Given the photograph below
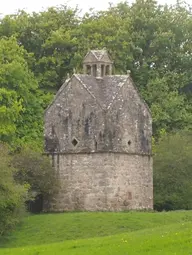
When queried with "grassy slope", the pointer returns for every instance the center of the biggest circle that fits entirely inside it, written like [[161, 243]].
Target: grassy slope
[[126, 233]]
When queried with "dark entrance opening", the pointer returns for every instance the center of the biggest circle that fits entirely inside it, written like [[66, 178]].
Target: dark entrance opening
[[88, 70], [94, 70], [36, 205], [102, 70], [107, 70]]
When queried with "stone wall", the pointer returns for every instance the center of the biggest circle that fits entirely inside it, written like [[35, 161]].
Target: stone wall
[[103, 182]]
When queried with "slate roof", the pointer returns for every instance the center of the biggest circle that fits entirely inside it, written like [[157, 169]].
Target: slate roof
[[104, 90]]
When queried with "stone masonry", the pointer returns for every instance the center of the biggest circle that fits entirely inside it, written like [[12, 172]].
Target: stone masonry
[[98, 133]]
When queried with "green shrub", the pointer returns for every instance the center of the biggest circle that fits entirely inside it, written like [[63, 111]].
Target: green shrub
[[173, 172], [12, 194], [36, 170]]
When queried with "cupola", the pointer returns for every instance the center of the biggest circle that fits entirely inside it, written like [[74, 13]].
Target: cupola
[[97, 63]]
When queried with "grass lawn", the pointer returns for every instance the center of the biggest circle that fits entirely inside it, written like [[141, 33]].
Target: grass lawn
[[102, 233]]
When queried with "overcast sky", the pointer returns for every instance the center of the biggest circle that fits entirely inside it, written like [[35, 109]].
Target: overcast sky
[[11, 6]]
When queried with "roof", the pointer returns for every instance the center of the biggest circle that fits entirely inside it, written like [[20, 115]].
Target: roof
[[104, 90], [98, 55]]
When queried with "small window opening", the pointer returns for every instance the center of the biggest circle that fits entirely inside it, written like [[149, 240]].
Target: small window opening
[[74, 142], [129, 142], [107, 70], [88, 69], [102, 70], [129, 195], [95, 145], [94, 70]]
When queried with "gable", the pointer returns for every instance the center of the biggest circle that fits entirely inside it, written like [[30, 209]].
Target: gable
[[62, 88], [97, 56], [90, 57], [71, 120], [105, 58], [131, 119], [135, 91]]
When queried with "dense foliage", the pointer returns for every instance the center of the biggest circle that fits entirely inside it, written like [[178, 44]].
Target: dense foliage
[[36, 170], [12, 194], [23, 176], [19, 107], [172, 172], [38, 50]]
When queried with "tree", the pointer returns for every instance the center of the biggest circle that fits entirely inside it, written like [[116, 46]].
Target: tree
[[20, 102], [48, 35], [12, 194], [172, 172], [36, 170]]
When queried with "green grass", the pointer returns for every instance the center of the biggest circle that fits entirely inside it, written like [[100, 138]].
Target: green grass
[[102, 233]]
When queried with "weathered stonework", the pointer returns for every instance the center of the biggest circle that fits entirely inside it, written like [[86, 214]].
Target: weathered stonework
[[98, 132], [104, 182]]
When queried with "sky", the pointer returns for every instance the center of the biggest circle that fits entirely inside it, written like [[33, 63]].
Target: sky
[[11, 6]]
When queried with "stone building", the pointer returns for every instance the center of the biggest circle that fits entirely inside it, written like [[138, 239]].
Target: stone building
[[98, 132]]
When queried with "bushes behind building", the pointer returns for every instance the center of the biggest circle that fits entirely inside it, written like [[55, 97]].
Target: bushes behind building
[[36, 170], [173, 172], [21, 176], [12, 194]]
